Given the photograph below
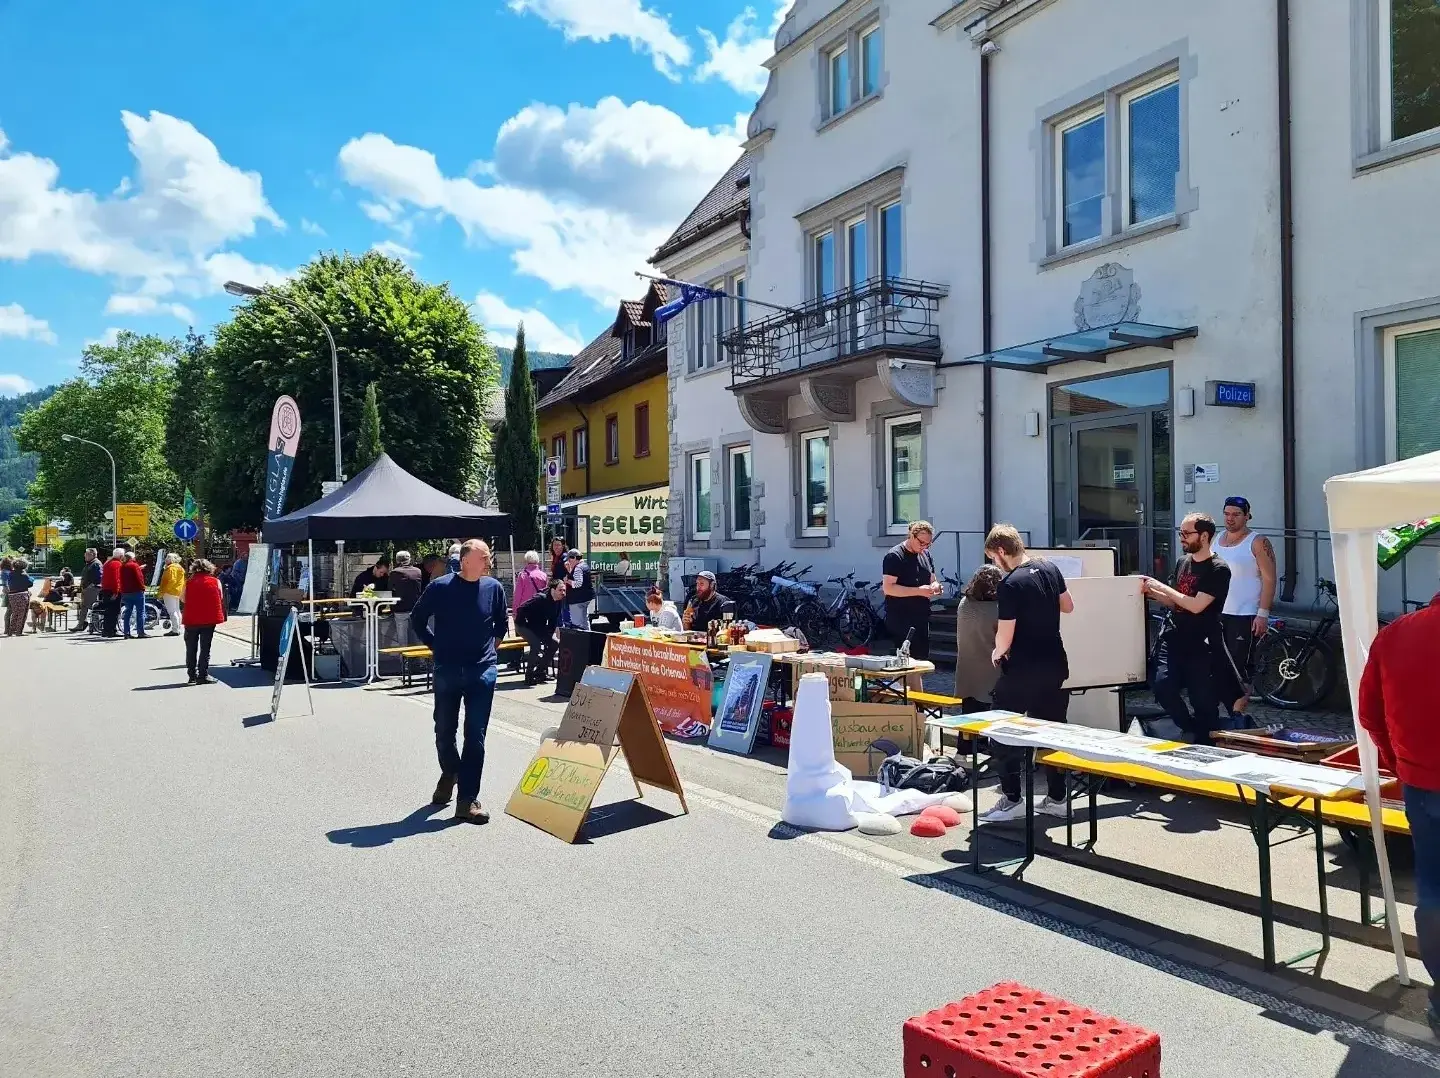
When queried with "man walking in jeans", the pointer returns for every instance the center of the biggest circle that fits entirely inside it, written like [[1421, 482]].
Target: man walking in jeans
[[1398, 695], [469, 618]]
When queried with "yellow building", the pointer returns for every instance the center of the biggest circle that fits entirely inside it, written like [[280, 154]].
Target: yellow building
[[608, 424]]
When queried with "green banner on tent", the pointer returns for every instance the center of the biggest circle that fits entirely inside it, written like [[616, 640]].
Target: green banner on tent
[[1396, 542]]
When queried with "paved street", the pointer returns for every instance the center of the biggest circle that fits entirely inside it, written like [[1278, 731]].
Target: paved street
[[186, 890]]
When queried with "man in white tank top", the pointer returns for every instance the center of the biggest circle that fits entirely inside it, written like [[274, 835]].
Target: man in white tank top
[[1245, 616]]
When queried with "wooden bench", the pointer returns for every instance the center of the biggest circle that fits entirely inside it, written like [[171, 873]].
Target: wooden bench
[[56, 617], [420, 653], [932, 706]]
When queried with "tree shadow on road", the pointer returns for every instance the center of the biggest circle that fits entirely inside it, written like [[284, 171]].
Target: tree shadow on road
[[419, 822]]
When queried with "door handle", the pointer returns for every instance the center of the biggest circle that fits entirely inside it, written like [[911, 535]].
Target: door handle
[[1140, 513]]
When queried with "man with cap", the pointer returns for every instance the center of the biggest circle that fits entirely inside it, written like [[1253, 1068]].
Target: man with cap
[[706, 605], [1246, 614], [579, 589]]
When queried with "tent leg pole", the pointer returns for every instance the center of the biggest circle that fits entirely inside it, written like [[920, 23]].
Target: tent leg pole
[[1370, 767]]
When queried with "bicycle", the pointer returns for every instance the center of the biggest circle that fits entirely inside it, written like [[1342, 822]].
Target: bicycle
[[1295, 669], [848, 619]]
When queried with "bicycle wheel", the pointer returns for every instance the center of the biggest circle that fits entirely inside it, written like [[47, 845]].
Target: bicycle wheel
[[857, 623], [815, 622], [1293, 670]]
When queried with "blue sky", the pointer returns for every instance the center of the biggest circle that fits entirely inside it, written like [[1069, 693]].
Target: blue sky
[[532, 153]]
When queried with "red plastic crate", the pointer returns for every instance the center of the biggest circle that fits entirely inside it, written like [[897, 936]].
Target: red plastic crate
[[1010, 1031]]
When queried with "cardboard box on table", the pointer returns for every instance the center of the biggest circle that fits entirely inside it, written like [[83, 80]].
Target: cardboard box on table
[[608, 714]]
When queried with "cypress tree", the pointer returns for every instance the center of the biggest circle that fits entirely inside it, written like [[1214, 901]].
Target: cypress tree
[[369, 446], [517, 450]]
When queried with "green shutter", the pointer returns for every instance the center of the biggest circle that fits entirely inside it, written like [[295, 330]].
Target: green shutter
[[1417, 394]]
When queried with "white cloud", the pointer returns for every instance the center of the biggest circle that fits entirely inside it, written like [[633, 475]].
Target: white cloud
[[541, 333], [155, 231], [12, 385], [139, 304], [392, 249], [582, 195], [310, 228], [602, 20], [108, 339], [15, 322], [739, 60], [229, 266]]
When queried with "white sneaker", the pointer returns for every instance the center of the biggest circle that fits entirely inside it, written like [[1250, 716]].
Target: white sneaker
[[1004, 811], [1051, 807]]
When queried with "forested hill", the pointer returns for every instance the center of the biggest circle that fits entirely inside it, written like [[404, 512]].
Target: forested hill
[[16, 468], [538, 361]]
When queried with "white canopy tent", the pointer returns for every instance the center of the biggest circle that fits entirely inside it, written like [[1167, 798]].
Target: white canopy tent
[[1361, 505]]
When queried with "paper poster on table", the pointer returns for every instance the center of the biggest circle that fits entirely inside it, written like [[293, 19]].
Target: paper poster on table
[[677, 681], [739, 719]]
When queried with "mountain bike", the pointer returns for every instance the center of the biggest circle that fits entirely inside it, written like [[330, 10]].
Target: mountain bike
[[847, 619], [1293, 668]]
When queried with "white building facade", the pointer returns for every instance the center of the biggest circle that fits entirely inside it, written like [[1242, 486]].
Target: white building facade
[[1042, 263]]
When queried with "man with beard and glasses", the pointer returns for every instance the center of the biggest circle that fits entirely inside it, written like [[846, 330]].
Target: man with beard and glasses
[[1187, 653]]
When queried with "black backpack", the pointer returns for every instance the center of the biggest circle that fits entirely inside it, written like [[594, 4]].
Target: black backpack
[[941, 774]]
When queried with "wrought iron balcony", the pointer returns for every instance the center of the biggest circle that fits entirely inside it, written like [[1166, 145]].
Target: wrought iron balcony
[[878, 317]]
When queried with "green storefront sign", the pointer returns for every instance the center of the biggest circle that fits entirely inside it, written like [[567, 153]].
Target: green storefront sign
[[627, 532]]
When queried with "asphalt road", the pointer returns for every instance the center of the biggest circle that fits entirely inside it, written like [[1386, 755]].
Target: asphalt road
[[188, 891]]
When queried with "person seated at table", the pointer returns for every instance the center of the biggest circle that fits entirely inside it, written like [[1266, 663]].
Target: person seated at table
[[536, 621], [975, 622], [63, 587], [662, 612], [377, 576], [706, 605], [406, 582]]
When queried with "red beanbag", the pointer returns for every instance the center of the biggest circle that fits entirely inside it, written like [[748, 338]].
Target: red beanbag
[[946, 815], [927, 827]]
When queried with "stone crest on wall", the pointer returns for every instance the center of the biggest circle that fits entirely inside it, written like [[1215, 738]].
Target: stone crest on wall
[[1107, 296]]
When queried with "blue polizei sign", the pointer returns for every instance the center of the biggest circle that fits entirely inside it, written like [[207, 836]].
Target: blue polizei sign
[[1230, 394], [186, 530]]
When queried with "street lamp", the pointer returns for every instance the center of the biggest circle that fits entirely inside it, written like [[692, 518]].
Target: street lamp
[[235, 288], [114, 497]]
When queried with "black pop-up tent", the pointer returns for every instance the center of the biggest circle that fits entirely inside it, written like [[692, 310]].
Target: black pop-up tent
[[386, 502]]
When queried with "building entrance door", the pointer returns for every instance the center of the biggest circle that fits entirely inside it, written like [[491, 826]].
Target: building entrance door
[[1111, 473]]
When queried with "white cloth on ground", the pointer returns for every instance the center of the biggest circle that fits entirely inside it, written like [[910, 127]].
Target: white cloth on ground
[[819, 793]]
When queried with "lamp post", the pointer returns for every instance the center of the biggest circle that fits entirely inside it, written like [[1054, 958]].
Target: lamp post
[[114, 496], [235, 288]]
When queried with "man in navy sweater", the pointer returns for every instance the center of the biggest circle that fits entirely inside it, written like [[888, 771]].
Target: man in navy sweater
[[470, 616]]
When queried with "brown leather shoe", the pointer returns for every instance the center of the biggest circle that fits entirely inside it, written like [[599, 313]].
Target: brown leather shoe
[[444, 789], [471, 813]]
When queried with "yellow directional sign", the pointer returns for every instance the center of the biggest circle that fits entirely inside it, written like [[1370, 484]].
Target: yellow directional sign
[[47, 537], [132, 520]]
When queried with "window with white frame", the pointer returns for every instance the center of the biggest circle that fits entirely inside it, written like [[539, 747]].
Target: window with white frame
[[612, 439], [854, 68], [857, 251], [737, 489], [557, 449], [815, 484], [1408, 69], [699, 471], [1138, 127], [904, 472], [891, 245], [822, 253], [582, 446], [1412, 390], [737, 289], [712, 319]]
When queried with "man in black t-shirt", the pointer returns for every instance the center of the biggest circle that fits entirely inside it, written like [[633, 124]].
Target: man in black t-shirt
[[1032, 660], [908, 580], [1188, 644]]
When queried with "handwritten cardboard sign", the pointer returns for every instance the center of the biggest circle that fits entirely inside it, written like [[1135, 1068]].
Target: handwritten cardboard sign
[[608, 714], [857, 726], [840, 677]]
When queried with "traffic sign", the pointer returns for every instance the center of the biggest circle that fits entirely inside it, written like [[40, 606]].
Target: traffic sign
[[552, 485], [134, 519], [186, 530], [47, 536]]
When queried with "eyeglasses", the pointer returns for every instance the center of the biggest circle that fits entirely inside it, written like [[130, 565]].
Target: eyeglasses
[[1188, 534]]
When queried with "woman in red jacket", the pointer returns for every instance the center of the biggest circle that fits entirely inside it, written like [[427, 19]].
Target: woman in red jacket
[[204, 609]]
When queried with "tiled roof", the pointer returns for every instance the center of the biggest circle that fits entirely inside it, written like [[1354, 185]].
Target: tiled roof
[[725, 202], [634, 310], [602, 359]]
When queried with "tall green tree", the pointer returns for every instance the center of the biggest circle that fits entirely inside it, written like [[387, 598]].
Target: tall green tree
[[517, 450], [189, 421], [389, 326], [371, 445], [120, 400], [20, 529]]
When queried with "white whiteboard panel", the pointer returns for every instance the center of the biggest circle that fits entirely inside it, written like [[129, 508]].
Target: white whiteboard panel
[[1094, 561], [1105, 637], [1098, 709]]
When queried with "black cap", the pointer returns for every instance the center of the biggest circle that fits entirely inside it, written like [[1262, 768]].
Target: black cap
[[1242, 504]]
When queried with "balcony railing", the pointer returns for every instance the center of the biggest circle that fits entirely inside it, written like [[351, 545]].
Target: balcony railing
[[879, 315]]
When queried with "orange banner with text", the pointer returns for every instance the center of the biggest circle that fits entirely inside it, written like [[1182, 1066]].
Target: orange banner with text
[[677, 680]]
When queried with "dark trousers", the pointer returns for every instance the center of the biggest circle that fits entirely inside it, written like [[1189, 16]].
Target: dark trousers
[[1422, 809], [110, 612], [132, 605], [474, 686], [540, 654], [1037, 693], [1189, 670], [197, 649], [1237, 637]]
